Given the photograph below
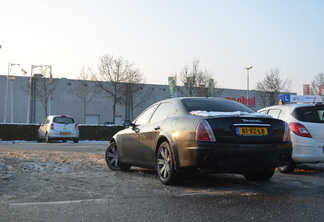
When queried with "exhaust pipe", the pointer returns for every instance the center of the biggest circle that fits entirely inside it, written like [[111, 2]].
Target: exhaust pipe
[[211, 158], [284, 157]]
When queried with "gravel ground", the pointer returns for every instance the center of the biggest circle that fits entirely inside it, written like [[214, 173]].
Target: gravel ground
[[18, 167], [22, 171], [33, 183]]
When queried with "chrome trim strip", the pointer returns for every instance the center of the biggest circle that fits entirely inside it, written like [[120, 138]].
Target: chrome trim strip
[[251, 124]]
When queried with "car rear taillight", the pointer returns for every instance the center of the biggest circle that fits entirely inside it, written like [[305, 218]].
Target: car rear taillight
[[204, 132], [299, 130], [287, 133], [76, 126], [52, 126]]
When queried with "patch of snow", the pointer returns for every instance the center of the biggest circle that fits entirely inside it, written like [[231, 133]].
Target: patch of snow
[[80, 141], [222, 114], [107, 125], [22, 124], [91, 141], [16, 141], [80, 124]]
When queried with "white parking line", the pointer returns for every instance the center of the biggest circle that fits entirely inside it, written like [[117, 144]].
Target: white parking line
[[57, 202]]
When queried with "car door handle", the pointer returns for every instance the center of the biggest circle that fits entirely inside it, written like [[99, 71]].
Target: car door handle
[[157, 128]]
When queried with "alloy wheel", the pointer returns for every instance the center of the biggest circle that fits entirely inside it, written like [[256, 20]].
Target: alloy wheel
[[164, 163], [112, 156]]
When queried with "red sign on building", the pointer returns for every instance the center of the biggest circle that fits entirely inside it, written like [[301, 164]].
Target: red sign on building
[[319, 90], [306, 89], [243, 100]]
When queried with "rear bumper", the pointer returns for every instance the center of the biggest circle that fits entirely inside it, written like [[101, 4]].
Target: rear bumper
[[307, 150], [308, 153], [236, 158], [66, 135], [64, 138]]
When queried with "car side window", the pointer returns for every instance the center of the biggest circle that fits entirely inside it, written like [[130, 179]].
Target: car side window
[[274, 113], [282, 115], [162, 112], [321, 114], [145, 116]]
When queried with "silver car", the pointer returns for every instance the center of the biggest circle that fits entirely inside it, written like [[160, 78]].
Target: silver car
[[58, 127], [306, 122]]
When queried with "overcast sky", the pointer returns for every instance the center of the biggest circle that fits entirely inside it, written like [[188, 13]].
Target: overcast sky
[[161, 36]]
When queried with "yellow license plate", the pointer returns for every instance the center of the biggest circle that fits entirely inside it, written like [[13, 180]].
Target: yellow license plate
[[252, 131], [65, 134]]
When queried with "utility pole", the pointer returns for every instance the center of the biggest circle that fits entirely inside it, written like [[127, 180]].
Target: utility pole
[[247, 85]]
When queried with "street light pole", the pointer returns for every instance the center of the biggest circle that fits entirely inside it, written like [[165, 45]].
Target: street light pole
[[11, 78], [6, 98], [30, 91], [247, 84], [6, 102], [50, 89]]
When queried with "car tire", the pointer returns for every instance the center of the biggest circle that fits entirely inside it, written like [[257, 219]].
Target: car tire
[[76, 140], [165, 166], [259, 175], [47, 138], [112, 158], [289, 168]]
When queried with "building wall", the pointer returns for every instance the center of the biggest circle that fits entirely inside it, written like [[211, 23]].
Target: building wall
[[63, 102], [19, 97]]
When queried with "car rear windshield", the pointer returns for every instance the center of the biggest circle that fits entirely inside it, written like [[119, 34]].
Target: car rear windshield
[[215, 105], [313, 114], [63, 120]]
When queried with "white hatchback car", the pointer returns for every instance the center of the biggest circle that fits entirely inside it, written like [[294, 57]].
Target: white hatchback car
[[58, 127], [306, 122]]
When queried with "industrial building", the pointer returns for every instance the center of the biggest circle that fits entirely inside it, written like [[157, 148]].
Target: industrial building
[[20, 104]]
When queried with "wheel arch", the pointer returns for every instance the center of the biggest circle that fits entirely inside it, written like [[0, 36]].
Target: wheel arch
[[162, 139], [112, 140]]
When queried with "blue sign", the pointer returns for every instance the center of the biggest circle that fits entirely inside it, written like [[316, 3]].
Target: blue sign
[[285, 98]]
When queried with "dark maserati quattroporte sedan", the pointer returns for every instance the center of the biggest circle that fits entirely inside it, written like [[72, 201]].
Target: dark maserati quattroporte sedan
[[183, 135]]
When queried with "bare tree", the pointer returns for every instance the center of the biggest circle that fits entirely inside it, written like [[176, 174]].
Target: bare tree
[[264, 97], [43, 86], [271, 86], [85, 89], [202, 83], [112, 73], [195, 80], [318, 81], [132, 98], [188, 76]]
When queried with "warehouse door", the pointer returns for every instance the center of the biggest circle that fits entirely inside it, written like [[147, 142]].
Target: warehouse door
[[92, 119]]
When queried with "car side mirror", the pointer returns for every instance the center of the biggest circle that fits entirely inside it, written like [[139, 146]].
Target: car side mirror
[[127, 123]]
